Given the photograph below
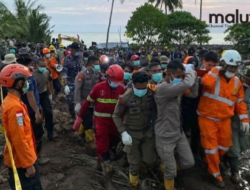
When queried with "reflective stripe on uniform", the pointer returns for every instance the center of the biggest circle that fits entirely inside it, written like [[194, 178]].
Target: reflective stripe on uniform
[[213, 74], [243, 116], [239, 100], [223, 148], [90, 99], [102, 114], [107, 101], [216, 174], [216, 94], [213, 151], [214, 119]]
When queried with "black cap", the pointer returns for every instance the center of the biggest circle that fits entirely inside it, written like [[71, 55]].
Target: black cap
[[191, 51], [24, 56], [74, 45]]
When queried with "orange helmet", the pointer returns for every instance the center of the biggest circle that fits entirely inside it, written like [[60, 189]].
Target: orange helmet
[[12, 72], [115, 73], [46, 50], [104, 59]]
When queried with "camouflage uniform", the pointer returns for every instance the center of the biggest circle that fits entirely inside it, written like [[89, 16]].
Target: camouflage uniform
[[71, 67]]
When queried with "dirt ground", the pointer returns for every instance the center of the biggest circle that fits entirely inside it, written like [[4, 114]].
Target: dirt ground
[[72, 166]]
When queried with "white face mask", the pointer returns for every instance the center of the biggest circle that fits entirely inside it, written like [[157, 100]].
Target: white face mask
[[229, 74]]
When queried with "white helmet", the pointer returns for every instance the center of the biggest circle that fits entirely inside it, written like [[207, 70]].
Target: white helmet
[[59, 68], [231, 57]]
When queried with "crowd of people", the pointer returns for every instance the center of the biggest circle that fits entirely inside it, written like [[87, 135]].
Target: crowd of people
[[151, 100]]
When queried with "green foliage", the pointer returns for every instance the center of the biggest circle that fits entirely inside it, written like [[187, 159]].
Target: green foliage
[[239, 35], [182, 27], [170, 4], [144, 25], [27, 24]]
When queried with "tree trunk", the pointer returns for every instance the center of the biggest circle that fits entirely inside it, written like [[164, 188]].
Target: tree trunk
[[166, 9], [110, 19], [200, 9]]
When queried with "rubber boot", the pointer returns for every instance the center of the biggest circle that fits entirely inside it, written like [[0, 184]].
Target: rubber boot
[[90, 139], [218, 182], [234, 165], [169, 184], [99, 165], [134, 181], [108, 172]]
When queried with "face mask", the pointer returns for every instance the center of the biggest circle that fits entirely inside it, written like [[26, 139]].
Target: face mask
[[114, 84], [25, 90], [143, 56], [157, 77], [163, 66], [33, 53], [96, 68], [175, 80], [42, 69], [127, 76], [4, 47], [61, 49], [47, 55], [140, 93], [229, 74], [136, 63], [77, 54], [85, 59], [12, 51]]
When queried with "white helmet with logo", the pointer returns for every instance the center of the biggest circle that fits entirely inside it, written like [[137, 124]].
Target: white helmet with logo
[[231, 57]]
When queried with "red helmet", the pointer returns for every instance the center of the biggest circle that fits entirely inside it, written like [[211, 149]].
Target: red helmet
[[12, 72], [135, 57], [115, 73], [46, 50]]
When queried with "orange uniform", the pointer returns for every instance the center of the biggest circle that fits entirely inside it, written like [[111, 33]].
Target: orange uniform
[[221, 100], [52, 63], [17, 125]]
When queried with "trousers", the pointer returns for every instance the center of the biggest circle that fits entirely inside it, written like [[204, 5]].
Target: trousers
[[48, 114], [70, 99], [106, 136], [167, 147], [142, 150], [57, 85], [33, 183], [88, 119], [216, 139], [38, 132]]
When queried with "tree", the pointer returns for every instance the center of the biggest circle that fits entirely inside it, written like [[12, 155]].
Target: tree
[[239, 35], [168, 4], [182, 27], [144, 25], [110, 19]]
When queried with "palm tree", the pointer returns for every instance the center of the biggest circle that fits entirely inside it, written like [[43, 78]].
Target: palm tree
[[110, 19], [170, 5]]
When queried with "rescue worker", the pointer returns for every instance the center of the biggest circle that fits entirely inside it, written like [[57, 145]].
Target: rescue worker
[[128, 69], [170, 138], [71, 67], [155, 73], [164, 61], [105, 95], [223, 94], [18, 128], [241, 140], [135, 59], [84, 83], [51, 64], [136, 129], [60, 53]]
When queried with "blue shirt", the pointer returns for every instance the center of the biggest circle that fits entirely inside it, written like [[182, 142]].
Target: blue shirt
[[32, 87]]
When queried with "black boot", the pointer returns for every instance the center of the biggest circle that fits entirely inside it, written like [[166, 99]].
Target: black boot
[[234, 165]]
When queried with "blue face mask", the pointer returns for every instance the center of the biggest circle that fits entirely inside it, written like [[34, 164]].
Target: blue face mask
[[175, 80], [127, 76], [42, 69], [12, 51], [96, 68], [77, 54], [25, 90], [137, 63], [157, 77], [85, 59], [140, 93], [163, 66], [143, 56], [47, 55], [114, 84]]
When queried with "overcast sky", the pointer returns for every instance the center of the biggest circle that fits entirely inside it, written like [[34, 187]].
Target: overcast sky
[[93, 15]]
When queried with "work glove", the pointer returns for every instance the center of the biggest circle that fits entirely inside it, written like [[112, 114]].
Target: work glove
[[50, 97], [77, 124], [126, 138], [66, 90], [245, 128], [77, 108], [189, 67]]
